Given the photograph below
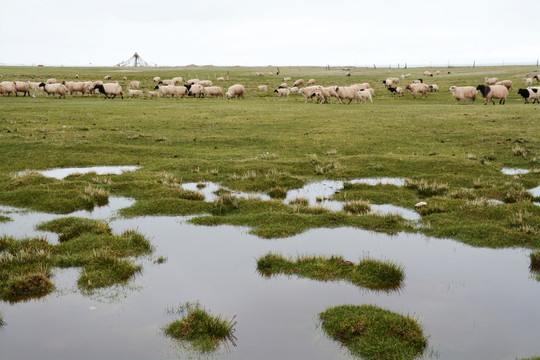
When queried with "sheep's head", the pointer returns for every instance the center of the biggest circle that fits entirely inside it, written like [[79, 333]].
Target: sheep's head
[[42, 84], [524, 93], [156, 87], [452, 88]]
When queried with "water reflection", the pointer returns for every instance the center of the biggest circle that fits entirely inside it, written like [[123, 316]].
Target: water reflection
[[61, 173]]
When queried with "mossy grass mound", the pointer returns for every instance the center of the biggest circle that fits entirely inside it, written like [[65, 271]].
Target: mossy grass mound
[[203, 331], [368, 273], [25, 266], [373, 333], [535, 262]]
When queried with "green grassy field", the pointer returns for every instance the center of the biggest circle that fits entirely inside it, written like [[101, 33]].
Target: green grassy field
[[264, 143]]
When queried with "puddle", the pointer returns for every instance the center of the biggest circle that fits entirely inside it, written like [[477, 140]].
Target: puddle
[[61, 173], [509, 171], [535, 192], [210, 188], [469, 305]]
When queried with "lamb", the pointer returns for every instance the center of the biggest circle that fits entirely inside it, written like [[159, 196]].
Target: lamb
[[348, 93], [236, 90], [196, 90], [405, 76], [22, 87], [433, 88], [293, 90], [506, 83], [34, 85], [282, 92], [365, 95], [308, 91], [427, 73], [134, 93], [311, 82], [298, 82], [417, 89], [54, 89], [463, 93], [8, 87], [205, 83], [283, 86], [221, 78], [50, 81], [396, 90], [328, 93], [437, 72], [530, 93], [134, 84], [527, 81], [318, 96], [493, 92], [491, 81], [152, 94], [177, 80], [124, 78], [78, 86], [390, 81], [213, 91], [287, 79], [262, 88], [157, 79], [109, 89]]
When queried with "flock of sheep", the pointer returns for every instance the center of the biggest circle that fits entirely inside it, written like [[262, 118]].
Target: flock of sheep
[[363, 92]]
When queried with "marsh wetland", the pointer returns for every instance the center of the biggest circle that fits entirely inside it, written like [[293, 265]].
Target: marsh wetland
[[140, 206]]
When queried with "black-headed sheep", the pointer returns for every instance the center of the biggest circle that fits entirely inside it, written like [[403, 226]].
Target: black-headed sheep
[[54, 89], [282, 92], [111, 90], [493, 92], [530, 93]]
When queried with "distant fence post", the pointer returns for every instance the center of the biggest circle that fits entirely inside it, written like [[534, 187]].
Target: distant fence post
[[474, 64], [374, 66]]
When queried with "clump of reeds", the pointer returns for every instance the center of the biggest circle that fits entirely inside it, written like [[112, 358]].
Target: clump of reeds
[[423, 187], [357, 206]]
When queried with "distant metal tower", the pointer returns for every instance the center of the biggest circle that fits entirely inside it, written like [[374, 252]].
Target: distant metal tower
[[135, 61]]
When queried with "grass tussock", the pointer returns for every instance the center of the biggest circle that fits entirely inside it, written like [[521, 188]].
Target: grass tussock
[[368, 273], [203, 331], [423, 187], [373, 333], [277, 193], [535, 261], [517, 194], [95, 195], [105, 259], [225, 204], [357, 207]]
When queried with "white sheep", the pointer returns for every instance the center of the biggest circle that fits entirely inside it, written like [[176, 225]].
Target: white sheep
[[282, 92], [491, 81], [152, 94], [437, 72], [493, 92], [365, 95], [7, 87], [527, 81], [107, 77], [134, 84], [51, 81], [361, 86], [34, 86], [427, 73], [156, 79], [318, 96], [109, 89], [311, 82], [213, 91], [221, 78], [76, 76], [506, 83], [193, 81], [134, 93], [171, 90], [262, 88], [433, 88], [124, 78], [463, 93], [177, 80], [294, 90], [236, 90], [308, 91], [54, 89], [205, 83], [298, 82], [347, 93], [76, 86], [396, 90], [417, 89], [23, 87], [196, 90], [537, 78], [390, 81], [166, 82], [283, 86], [287, 78], [405, 76]]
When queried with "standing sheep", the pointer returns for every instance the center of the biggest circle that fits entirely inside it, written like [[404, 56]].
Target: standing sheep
[[110, 89], [262, 88], [51, 81], [347, 93], [491, 81], [177, 80], [506, 83], [54, 89], [133, 84], [213, 91], [427, 73], [293, 90], [298, 82], [433, 88], [308, 91], [282, 92], [107, 77], [78, 86], [157, 79], [196, 90], [311, 82], [236, 90], [134, 93], [152, 94], [7, 87], [527, 81], [493, 92], [287, 78], [22, 87], [365, 95], [417, 89], [396, 90], [283, 86], [530, 93], [125, 78], [537, 78], [206, 83], [463, 93], [221, 78]]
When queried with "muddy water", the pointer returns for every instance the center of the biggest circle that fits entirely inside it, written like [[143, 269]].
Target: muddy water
[[473, 303]]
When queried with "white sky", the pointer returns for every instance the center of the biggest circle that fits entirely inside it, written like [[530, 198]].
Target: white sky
[[279, 32]]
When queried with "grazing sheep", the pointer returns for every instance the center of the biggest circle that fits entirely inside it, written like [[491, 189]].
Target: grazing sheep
[[396, 90], [298, 82], [417, 89], [110, 89], [259, 74], [157, 79], [22, 87], [405, 76], [78, 86], [271, 74], [107, 77], [192, 81], [437, 72], [527, 81], [491, 81], [308, 91], [293, 90], [390, 81], [54, 89], [213, 91], [348, 93], [177, 80], [287, 79], [311, 82], [196, 90], [318, 96], [166, 90], [361, 86], [236, 90], [283, 86], [8, 87], [493, 92], [76, 76], [463, 93], [282, 92], [262, 88], [205, 83], [530, 93], [506, 83], [51, 81], [134, 93], [537, 78], [124, 78], [166, 82], [152, 94], [365, 95], [418, 81], [134, 84], [221, 78], [433, 88], [329, 93], [427, 73]]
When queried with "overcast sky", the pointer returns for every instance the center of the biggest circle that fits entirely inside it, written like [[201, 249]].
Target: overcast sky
[[279, 32]]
